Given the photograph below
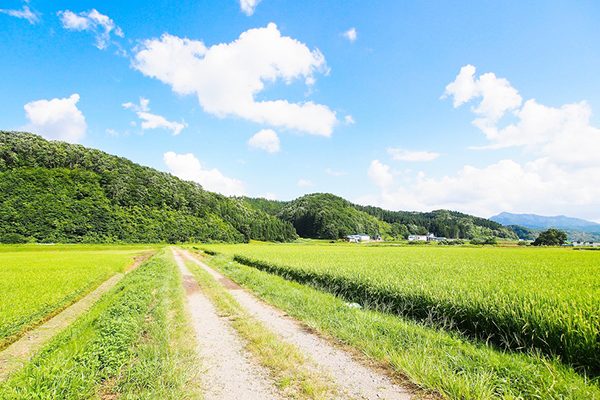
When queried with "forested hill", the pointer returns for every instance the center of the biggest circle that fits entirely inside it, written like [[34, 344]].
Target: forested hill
[[52, 191], [328, 216], [450, 224]]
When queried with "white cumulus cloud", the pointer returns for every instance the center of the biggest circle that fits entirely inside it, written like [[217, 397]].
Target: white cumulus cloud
[[350, 34], [101, 25], [266, 139], [248, 6], [153, 121], [535, 187], [25, 13], [560, 174], [187, 167], [227, 77], [563, 135], [380, 174], [56, 119], [497, 96], [411, 155]]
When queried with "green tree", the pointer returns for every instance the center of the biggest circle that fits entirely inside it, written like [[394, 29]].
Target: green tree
[[551, 237]]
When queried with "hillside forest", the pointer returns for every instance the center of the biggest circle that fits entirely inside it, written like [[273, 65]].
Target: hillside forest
[[53, 191]]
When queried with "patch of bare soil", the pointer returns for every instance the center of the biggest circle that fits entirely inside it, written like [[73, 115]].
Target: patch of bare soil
[[139, 260], [229, 375], [356, 379]]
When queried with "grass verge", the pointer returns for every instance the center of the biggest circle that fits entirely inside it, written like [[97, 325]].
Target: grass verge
[[440, 361], [134, 343], [292, 372]]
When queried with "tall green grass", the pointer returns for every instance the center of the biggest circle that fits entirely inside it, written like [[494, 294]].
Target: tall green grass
[[546, 300], [36, 282]]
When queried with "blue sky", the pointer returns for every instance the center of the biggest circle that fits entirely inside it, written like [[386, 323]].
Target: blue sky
[[479, 107]]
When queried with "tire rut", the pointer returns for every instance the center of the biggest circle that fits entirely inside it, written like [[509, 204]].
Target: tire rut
[[357, 380], [229, 374]]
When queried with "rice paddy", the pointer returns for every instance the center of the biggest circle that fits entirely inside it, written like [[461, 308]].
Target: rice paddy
[[38, 281], [455, 322], [544, 300], [439, 362], [133, 343]]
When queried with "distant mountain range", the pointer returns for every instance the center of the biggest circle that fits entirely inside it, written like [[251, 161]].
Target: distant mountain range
[[539, 221], [576, 228]]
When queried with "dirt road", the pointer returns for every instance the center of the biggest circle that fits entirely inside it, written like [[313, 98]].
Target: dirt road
[[356, 380], [229, 372]]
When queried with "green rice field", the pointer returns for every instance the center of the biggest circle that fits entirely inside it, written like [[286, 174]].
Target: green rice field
[[135, 342], [38, 281], [520, 299]]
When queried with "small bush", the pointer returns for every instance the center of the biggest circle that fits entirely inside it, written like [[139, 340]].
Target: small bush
[[13, 238]]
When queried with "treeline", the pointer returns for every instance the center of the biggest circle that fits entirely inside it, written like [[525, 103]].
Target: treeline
[[53, 191], [327, 216], [444, 223]]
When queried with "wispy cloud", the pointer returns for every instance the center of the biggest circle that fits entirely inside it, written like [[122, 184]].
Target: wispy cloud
[[350, 34], [335, 173], [153, 121], [27, 13], [248, 6], [305, 182], [101, 25], [411, 155]]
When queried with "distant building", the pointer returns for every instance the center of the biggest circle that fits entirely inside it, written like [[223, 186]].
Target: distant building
[[358, 238], [430, 237], [351, 238], [576, 243], [422, 238]]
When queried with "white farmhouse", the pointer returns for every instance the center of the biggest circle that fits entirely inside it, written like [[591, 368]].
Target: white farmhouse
[[358, 238]]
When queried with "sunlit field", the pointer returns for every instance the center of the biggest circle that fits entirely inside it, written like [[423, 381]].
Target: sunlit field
[[38, 281], [521, 299]]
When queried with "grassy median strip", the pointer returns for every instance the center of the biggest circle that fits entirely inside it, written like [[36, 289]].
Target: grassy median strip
[[291, 370], [437, 360], [131, 344]]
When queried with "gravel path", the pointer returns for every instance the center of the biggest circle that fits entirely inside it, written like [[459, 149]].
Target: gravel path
[[357, 380], [229, 374]]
